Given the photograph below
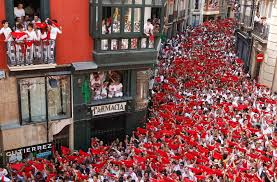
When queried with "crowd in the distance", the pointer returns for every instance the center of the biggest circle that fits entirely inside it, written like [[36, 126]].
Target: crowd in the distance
[[209, 121], [30, 37]]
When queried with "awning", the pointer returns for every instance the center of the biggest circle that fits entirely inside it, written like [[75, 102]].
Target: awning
[[82, 66]]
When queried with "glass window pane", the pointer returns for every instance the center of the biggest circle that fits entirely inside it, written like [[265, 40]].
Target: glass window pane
[[106, 20], [58, 97], [137, 19], [138, 1], [148, 1], [124, 43], [127, 20], [33, 105], [128, 1], [116, 20], [114, 44], [106, 84], [134, 43], [151, 43], [104, 44], [143, 43], [158, 2]]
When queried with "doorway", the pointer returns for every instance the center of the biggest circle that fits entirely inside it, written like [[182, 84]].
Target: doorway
[[108, 129], [61, 139], [31, 7]]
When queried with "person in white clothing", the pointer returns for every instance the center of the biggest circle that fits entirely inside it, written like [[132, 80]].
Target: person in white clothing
[[32, 36], [19, 11], [148, 28], [6, 30], [54, 31]]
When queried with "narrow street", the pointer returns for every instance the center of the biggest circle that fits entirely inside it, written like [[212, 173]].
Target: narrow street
[[209, 121]]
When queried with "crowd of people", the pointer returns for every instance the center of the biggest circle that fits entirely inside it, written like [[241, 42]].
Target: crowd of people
[[30, 38], [209, 121]]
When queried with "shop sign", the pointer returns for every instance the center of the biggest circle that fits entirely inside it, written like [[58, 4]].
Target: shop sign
[[25, 150], [2, 74], [260, 57], [108, 108], [44, 154]]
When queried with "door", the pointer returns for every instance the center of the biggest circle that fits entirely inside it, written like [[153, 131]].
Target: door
[[108, 129]]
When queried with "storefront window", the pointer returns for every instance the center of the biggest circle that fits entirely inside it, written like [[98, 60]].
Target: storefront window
[[33, 98], [127, 18], [137, 19], [58, 90], [116, 20], [33, 101], [142, 89], [106, 84]]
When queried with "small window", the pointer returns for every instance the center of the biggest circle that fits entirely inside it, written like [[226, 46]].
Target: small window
[[114, 44], [116, 20], [138, 1], [143, 43], [106, 84], [137, 19], [104, 44], [106, 20], [124, 44], [148, 2], [127, 20], [134, 43]]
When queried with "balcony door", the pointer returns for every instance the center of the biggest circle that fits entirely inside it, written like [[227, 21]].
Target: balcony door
[[40, 7]]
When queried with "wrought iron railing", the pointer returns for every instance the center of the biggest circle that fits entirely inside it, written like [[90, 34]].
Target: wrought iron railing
[[23, 53], [261, 30]]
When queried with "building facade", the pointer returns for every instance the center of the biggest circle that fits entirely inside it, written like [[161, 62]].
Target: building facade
[[256, 40], [94, 84], [175, 17]]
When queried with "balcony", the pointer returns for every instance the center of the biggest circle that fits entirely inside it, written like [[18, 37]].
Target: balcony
[[31, 55], [261, 31]]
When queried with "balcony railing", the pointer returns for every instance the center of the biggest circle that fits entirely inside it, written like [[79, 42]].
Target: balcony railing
[[261, 30], [25, 53]]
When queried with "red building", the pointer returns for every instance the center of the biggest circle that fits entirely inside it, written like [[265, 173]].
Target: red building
[[85, 84]]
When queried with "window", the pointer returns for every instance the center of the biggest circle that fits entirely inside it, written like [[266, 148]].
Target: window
[[58, 90], [137, 19], [106, 84], [127, 22], [123, 21], [116, 20], [33, 98]]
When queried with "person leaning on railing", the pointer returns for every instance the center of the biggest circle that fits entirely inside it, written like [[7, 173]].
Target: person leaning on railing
[[6, 30]]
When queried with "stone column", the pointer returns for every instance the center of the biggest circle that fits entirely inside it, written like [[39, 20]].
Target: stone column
[[268, 75]]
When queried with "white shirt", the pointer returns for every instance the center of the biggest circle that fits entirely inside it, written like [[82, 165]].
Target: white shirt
[[54, 32], [6, 32], [19, 12], [148, 28], [32, 35]]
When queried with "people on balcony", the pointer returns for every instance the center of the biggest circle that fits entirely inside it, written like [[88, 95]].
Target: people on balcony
[[19, 10], [31, 40]]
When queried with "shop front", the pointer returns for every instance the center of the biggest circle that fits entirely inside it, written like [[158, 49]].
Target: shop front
[[108, 104], [244, 44], [28, 153]]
